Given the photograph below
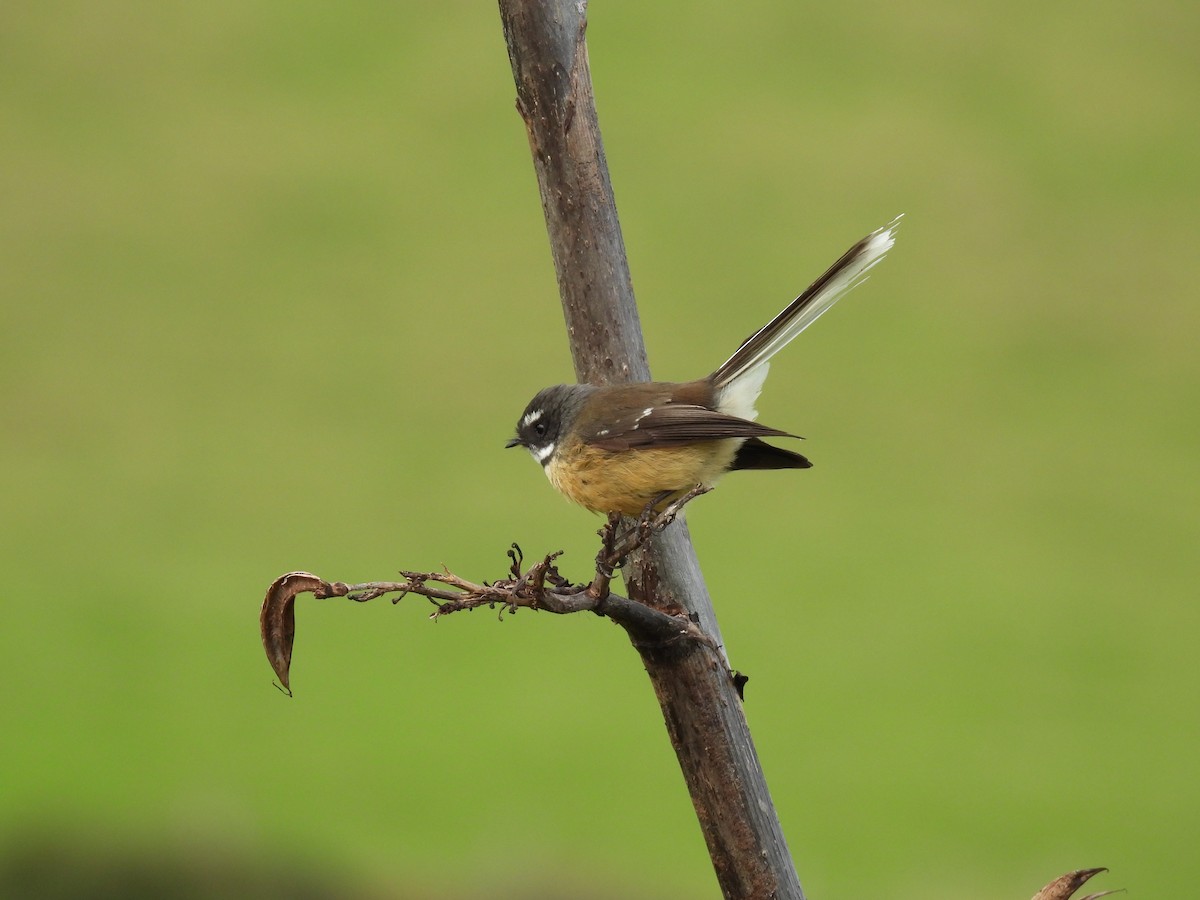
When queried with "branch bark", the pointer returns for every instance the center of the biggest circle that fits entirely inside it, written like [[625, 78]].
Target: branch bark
[[695, 688]]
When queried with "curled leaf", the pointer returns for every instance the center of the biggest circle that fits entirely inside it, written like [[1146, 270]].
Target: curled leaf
[[277, 620], [1064, 886]]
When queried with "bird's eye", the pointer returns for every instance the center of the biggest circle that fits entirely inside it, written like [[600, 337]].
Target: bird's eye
[[540, 428]]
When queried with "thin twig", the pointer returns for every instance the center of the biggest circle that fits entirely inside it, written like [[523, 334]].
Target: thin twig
[[543, 587]]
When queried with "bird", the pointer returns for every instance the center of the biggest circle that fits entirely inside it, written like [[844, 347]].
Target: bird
[[633, 448]]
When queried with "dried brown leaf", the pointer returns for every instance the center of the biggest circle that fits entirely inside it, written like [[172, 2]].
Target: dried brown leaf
[[277, 620], [1064, 886]]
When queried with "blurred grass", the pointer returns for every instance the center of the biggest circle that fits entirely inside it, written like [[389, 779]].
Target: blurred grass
[[274, 286]]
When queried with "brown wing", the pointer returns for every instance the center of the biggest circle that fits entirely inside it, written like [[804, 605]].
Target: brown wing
[[672, 424]]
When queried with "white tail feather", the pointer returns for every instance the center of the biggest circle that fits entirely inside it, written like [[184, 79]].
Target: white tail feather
[[737, 398], [740, 378]]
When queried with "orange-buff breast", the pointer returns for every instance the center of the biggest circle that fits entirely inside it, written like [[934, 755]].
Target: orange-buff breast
[[626, 481]]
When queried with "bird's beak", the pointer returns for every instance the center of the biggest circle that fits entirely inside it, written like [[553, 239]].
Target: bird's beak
[[512, 442]]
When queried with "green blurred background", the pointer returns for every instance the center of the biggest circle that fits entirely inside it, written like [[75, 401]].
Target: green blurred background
[[275, 286]]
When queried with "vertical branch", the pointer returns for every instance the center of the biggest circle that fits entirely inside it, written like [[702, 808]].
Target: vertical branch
[[554, 97], [699, 699], [549, 58]]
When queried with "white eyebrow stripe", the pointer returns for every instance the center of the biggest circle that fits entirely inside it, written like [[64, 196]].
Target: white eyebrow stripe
[[542, 454], [530, 418]]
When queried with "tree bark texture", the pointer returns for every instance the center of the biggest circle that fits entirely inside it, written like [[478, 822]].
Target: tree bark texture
[[695, 689]]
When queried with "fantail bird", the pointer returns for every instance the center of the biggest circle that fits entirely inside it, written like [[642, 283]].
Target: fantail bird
[[622, 447]]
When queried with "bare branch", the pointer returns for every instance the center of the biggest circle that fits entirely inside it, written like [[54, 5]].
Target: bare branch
[[540, 587], [701, 704]]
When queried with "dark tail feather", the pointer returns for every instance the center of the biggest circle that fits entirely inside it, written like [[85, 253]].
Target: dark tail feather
[[842, 276], [756, 454]]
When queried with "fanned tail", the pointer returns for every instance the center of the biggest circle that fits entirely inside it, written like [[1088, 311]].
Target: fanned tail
[[752, 356]]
